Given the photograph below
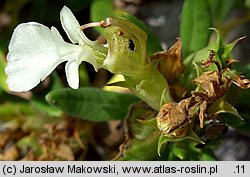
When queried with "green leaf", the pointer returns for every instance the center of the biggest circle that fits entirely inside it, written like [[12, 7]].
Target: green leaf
[[229, 47], [10, 111], [190, 136], [142, 150], [247, 3], [186, 150], [220, 10], [222, 106], [29, 143], [141, 111], [193, 69], [141, 143], [180, 152], [223, 50], [195, 24], [3, 76], [231, 115], [246, 126], [43, 106], [91, 103]]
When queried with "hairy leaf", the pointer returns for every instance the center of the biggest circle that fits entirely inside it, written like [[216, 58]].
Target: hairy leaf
[[91, 104]]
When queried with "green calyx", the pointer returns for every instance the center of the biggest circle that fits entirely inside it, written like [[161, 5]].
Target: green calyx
[[127, 52]]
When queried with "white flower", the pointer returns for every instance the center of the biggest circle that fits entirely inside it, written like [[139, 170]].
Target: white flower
[[35, 51]]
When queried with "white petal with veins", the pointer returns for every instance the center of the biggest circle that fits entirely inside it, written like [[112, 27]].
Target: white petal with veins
[[34, 52]]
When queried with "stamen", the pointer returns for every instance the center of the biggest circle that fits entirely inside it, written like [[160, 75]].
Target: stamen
[[89, 25], [103, 24]]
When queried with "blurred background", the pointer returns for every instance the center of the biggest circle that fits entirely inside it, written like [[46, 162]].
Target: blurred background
[[32, 130]]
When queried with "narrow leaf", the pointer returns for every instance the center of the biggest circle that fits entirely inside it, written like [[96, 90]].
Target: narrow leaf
[[227, 111], [222, 106], [196, 20], [91, 103], [3, 76]]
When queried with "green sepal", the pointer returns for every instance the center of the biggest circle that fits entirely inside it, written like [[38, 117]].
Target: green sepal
[[229, 47], [121, 35], [151, 87], [223, 50]]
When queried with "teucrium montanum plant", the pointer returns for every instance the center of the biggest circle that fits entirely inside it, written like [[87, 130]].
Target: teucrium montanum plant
[[35, 51]]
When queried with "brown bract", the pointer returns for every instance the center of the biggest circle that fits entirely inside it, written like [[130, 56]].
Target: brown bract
[[212, 84], [241, 82], [174, 118], [170, 63]]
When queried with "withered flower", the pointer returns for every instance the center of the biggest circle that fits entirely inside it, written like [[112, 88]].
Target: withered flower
[[170, 63], [172, 120]]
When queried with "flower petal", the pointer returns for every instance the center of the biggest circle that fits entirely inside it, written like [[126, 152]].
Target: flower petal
[[71, 69], [72, 27], [34, 52]]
